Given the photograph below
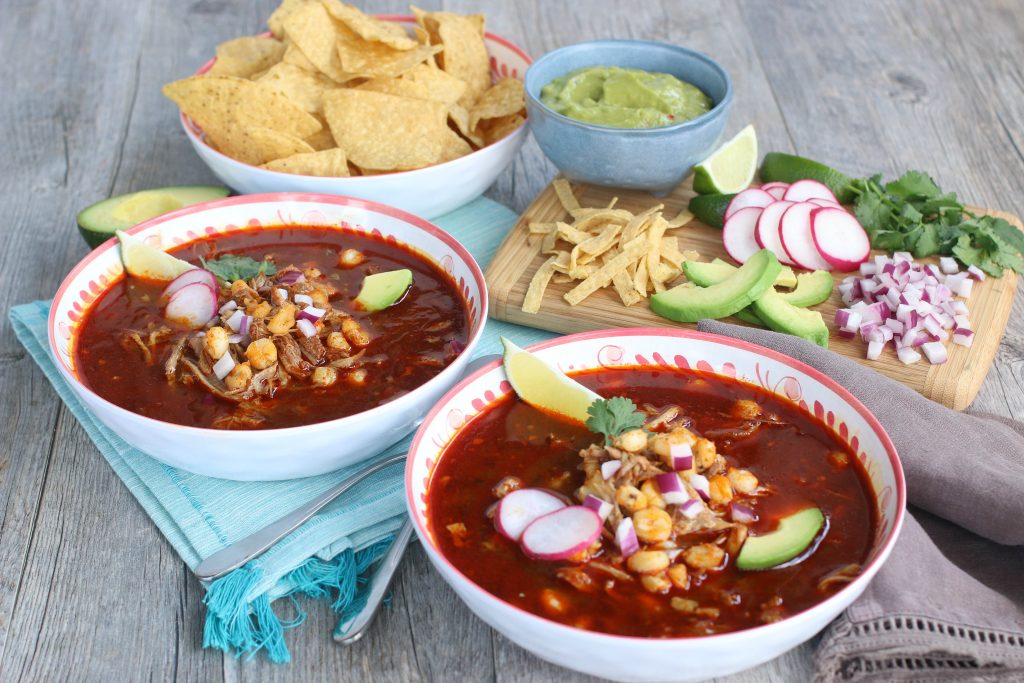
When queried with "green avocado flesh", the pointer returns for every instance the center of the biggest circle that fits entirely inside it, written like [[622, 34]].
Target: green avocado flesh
[[707, 273], [793, 536], [782, 316], [688, 303], [97, 223], [381, 290], [811, 289]]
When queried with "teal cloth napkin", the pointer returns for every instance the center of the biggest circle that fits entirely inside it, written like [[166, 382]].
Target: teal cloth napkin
[[200, 515]]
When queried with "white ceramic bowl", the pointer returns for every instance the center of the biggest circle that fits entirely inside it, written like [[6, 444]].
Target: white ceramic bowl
[[272, 453], [671, 659], [428, 192]]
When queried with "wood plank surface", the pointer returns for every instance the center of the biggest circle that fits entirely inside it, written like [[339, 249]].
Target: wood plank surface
[[89, 591], [953, 383]]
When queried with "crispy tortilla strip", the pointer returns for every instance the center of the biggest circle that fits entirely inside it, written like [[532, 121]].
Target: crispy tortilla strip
[[664, 273], [638, 223], [571, 234], [535, 292], [598, 244], [565, 195], [624, 288], [538, 228], [562, 278], [681, 219], [548, 245], [640, 278], [632, 251], [620, 215]]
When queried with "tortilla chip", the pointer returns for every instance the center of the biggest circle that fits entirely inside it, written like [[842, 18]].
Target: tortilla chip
[[384, 132], [454, 147], [504, 98], [631, 251], [370, 28], [328, 163], [459, 115], [270, 144], [396, 86], [500, 128], [246, 56], [370, 58], [225, 108], [276, 21], [294, 56], [565, 195], [322, 139], [304, 88], [314, 32], [465, 54], [539, 283], [443, 87]]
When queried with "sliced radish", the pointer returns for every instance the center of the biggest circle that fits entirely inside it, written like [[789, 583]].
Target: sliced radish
[[521, 507], [193, 305], [840, 238], [776, 189], [803, 190], [749, 197], [561, 534], [767, 232], [187, 278], [825, 202], [738, 233], [796, 238]]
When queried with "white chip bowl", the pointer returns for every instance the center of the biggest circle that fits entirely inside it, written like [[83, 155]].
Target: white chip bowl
[[663, 659], [268, 454], [428, 192]]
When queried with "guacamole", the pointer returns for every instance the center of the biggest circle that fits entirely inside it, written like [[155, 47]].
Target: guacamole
[[624, 98]]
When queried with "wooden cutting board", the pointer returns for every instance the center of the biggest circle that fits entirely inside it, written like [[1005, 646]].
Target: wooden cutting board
[[954, 383]]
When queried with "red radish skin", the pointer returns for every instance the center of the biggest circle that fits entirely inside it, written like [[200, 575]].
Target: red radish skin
[[187, 278], [561, 534], [738, 234], [796, 238], [518, 509], [839, 238], [192, 306], [825, 202], [749, 197], [776, 189], [804, 190], [767, 232]]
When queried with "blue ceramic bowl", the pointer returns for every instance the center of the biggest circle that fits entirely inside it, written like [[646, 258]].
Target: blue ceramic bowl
[[654, 159]]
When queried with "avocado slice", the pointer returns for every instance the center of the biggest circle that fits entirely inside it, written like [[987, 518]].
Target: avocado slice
[[811, 289], [782, 316], [793, 536], [688, 303], [748, 316], [381, 290], [707, 273], [97, 223]]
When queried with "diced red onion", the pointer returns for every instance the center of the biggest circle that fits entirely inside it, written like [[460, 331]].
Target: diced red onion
[[935, 352], [963, 336], [307, 328], [690, 508], [741, 513], [305, 299], [609, 468], [875, 349], [291, 277], [671, 488], [976, 273], [902, 256], [223, 366], [908, 355], [895, 325], [868, 268], [311, 313], [282, 293], [235, 339], [243, 326], [235, 320], [602, 507], [948, 265], [625, 537], [965, 288], [701, 484], [961, 321], [228, 306]]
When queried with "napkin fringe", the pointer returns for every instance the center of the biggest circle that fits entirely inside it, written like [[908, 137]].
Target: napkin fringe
[[236, 623]]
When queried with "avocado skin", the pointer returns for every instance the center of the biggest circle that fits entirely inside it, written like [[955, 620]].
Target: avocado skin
[[687, 303], [794, 535]]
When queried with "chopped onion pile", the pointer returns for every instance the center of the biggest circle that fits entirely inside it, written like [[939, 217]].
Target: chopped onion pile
[[911, 305]]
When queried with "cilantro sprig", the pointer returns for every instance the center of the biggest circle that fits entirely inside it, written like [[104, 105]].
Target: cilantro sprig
[[613, 416], [913, 214], [231, 267]]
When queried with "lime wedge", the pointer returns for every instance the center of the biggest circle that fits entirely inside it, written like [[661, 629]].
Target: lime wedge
[[789, 168], [544, 386], [142, 260], [730, 168]]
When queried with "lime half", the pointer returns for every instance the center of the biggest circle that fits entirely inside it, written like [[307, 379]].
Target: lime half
[[730, 168], [544, 386]]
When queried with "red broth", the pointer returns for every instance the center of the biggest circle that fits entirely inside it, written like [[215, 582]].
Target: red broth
[[401, 335], [800, 459]]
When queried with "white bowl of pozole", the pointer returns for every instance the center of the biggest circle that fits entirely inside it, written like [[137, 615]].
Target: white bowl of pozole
[[279, 372], [737, 442]]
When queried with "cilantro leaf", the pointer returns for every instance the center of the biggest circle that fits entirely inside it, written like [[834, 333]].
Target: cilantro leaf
[[613, 416], [914, 184], [231, 267]]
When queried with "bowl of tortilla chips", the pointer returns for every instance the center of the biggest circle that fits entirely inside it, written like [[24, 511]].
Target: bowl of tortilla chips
[[420, 112]]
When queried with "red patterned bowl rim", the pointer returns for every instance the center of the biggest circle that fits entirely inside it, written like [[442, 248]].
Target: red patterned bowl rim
[[195, 133], [875, 426], [271, 197]]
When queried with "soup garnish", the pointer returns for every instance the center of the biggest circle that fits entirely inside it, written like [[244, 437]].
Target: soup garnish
[[712, 507]]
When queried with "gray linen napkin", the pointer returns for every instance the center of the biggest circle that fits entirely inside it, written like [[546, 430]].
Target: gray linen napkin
[[948, 605]]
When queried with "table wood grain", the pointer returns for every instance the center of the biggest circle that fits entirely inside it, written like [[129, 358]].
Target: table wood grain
[[88, 588]]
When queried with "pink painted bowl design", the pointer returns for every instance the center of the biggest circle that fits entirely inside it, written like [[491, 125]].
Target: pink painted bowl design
[[275, 453], [427, 192], [653, 659]]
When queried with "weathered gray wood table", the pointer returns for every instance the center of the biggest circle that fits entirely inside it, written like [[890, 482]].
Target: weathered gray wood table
[[88, 588]]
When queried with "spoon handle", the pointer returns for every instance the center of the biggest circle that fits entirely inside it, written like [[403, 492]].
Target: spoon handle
[[352, 630], [240, 552]]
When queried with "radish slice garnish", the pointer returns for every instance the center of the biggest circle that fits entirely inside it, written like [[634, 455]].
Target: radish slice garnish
[[776, 189], [518, 509], [796, 238], [738, 233], [767, 232], [803, 190], [839, 238], [748, 198], [193, 305], [560, 534], [825, 203], [187, 278]]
